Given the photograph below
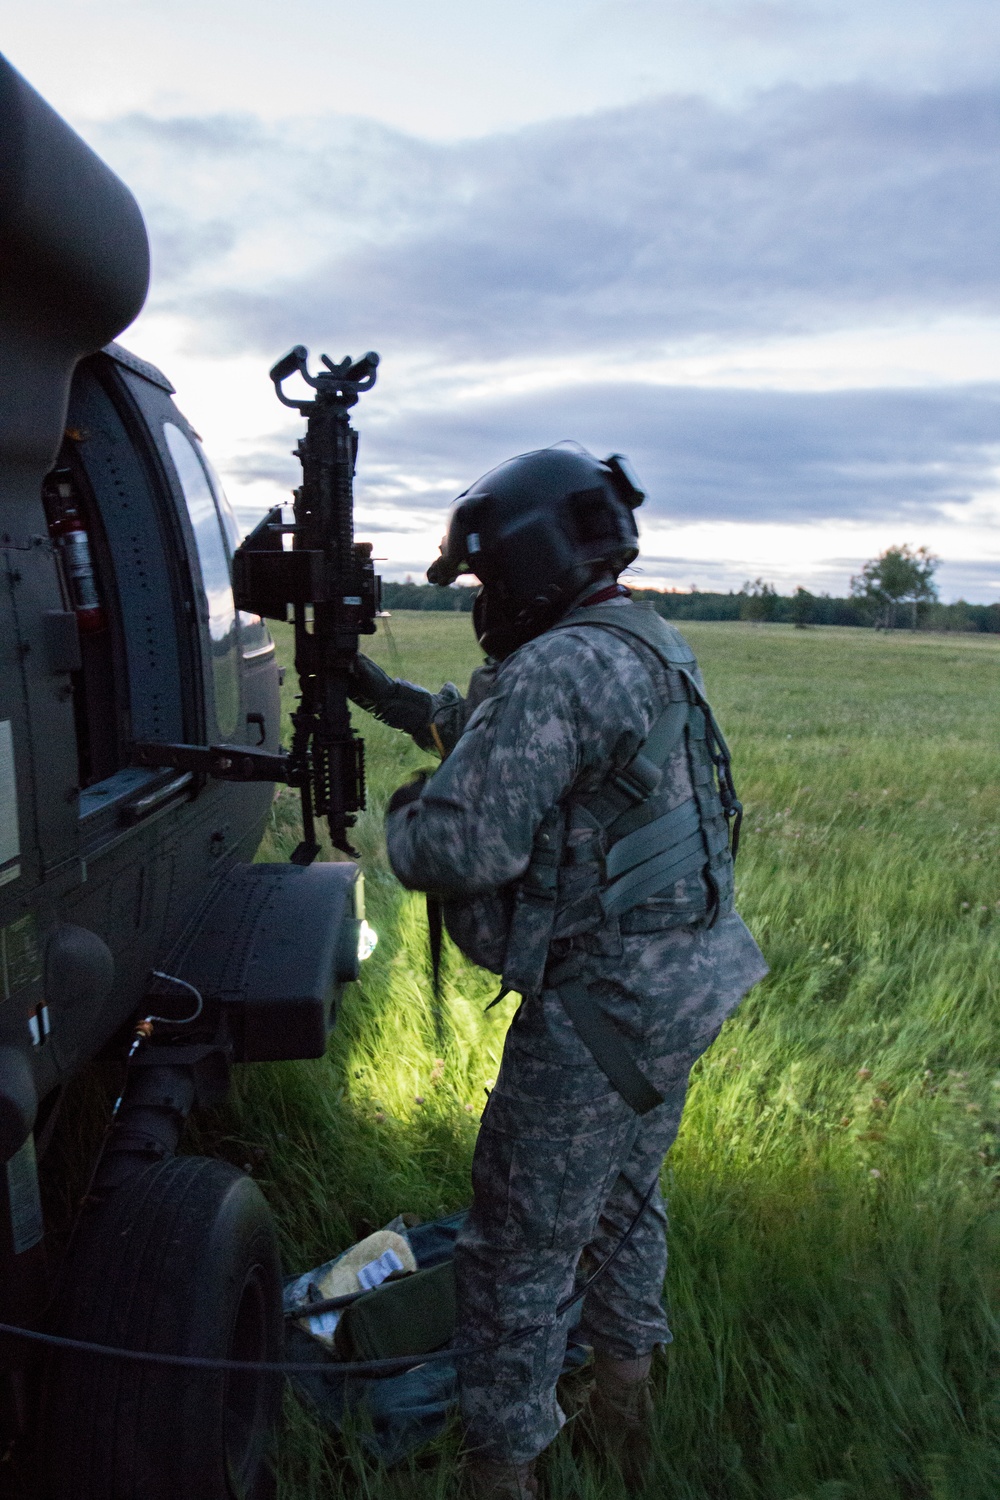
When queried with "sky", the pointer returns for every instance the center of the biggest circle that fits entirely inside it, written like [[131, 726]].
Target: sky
[[755, 245]]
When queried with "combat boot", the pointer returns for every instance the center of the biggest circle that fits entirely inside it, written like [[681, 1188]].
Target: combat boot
[[617, 1420], [487, 1479]]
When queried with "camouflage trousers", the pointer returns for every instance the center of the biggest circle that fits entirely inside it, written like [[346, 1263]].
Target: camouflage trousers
[[561, 1167]]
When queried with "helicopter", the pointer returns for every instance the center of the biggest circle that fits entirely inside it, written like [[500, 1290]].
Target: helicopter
[[139, 748]]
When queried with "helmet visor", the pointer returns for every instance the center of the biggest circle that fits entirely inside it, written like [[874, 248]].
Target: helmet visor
[[459, 546], [444, 570]]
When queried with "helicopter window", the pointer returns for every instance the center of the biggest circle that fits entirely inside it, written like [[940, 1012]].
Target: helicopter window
[[255, 638], [213, 558]]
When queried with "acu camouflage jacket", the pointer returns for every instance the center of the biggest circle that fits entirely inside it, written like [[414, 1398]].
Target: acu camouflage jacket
[[540, 743]]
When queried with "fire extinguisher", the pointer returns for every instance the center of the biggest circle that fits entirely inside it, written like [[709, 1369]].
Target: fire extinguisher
[[71, 534]]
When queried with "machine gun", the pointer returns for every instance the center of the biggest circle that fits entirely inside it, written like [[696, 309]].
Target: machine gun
[[329, 582]]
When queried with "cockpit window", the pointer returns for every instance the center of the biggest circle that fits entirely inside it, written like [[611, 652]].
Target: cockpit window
[[213, 557]]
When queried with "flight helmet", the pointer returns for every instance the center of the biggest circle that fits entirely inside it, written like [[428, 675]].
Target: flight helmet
[[535, 531]]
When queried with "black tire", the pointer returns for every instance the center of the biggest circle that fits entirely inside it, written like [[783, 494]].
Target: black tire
[[182, 1261]]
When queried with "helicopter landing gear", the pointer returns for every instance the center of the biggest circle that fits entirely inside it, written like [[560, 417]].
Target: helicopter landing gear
[[183, 1260]]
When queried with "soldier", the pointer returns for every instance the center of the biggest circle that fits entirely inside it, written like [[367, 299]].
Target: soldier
[[578, 836]]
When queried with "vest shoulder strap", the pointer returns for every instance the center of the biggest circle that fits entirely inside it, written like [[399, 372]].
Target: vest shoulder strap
[[640, 621]]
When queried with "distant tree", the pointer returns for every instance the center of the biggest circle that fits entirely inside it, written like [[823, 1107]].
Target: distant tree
[[759, 601], [898, 576], [802, 609]]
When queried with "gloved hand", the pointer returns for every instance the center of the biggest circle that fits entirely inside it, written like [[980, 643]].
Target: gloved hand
[[399, 704], [408, 792]]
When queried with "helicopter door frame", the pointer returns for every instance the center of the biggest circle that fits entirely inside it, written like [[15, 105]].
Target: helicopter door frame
[[140, 556]]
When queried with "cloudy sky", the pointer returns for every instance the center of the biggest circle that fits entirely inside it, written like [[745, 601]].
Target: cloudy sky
[[753, 244]]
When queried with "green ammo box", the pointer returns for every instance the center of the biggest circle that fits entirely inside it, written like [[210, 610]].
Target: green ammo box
[[413, 1315]]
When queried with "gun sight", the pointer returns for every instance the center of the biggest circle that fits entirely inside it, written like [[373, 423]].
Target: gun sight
[[340, 384]]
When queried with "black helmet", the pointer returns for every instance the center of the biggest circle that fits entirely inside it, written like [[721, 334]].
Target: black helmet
[[535, 531]]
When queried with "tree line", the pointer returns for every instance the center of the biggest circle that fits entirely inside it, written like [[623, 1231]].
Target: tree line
[[893, 591]]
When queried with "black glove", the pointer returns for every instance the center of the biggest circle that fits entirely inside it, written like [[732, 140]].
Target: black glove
[[407, 793], [399, 704]]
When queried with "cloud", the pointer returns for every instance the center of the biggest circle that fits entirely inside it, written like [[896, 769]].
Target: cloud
[[274, 465], [666, 220], [601, 243], [727, 454], [914, 457]]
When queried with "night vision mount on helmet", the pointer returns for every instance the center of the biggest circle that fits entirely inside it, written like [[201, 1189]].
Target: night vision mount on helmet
[[535, 531]]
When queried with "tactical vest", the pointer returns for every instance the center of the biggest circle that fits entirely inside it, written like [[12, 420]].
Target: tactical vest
[[638, 849]]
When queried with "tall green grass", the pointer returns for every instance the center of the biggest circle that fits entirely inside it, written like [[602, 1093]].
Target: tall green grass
[[835, 1229]]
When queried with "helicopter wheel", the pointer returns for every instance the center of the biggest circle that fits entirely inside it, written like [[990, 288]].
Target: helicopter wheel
[[182, 1261]]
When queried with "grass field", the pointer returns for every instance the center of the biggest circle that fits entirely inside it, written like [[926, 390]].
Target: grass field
[[834, 1278]]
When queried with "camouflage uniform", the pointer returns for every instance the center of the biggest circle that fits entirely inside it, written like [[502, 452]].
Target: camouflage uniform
[[448, 712], [562, 1162]]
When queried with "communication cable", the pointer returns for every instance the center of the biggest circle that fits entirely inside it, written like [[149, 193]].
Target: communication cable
[[378, 1368]]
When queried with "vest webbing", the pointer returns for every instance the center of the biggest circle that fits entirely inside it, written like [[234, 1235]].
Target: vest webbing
[[647, 846], [640, 847]]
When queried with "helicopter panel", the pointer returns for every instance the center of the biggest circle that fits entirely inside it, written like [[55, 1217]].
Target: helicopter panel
[[148, 844], [33, 698]]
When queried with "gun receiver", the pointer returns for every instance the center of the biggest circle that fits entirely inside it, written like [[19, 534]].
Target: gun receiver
[[329, 581]]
